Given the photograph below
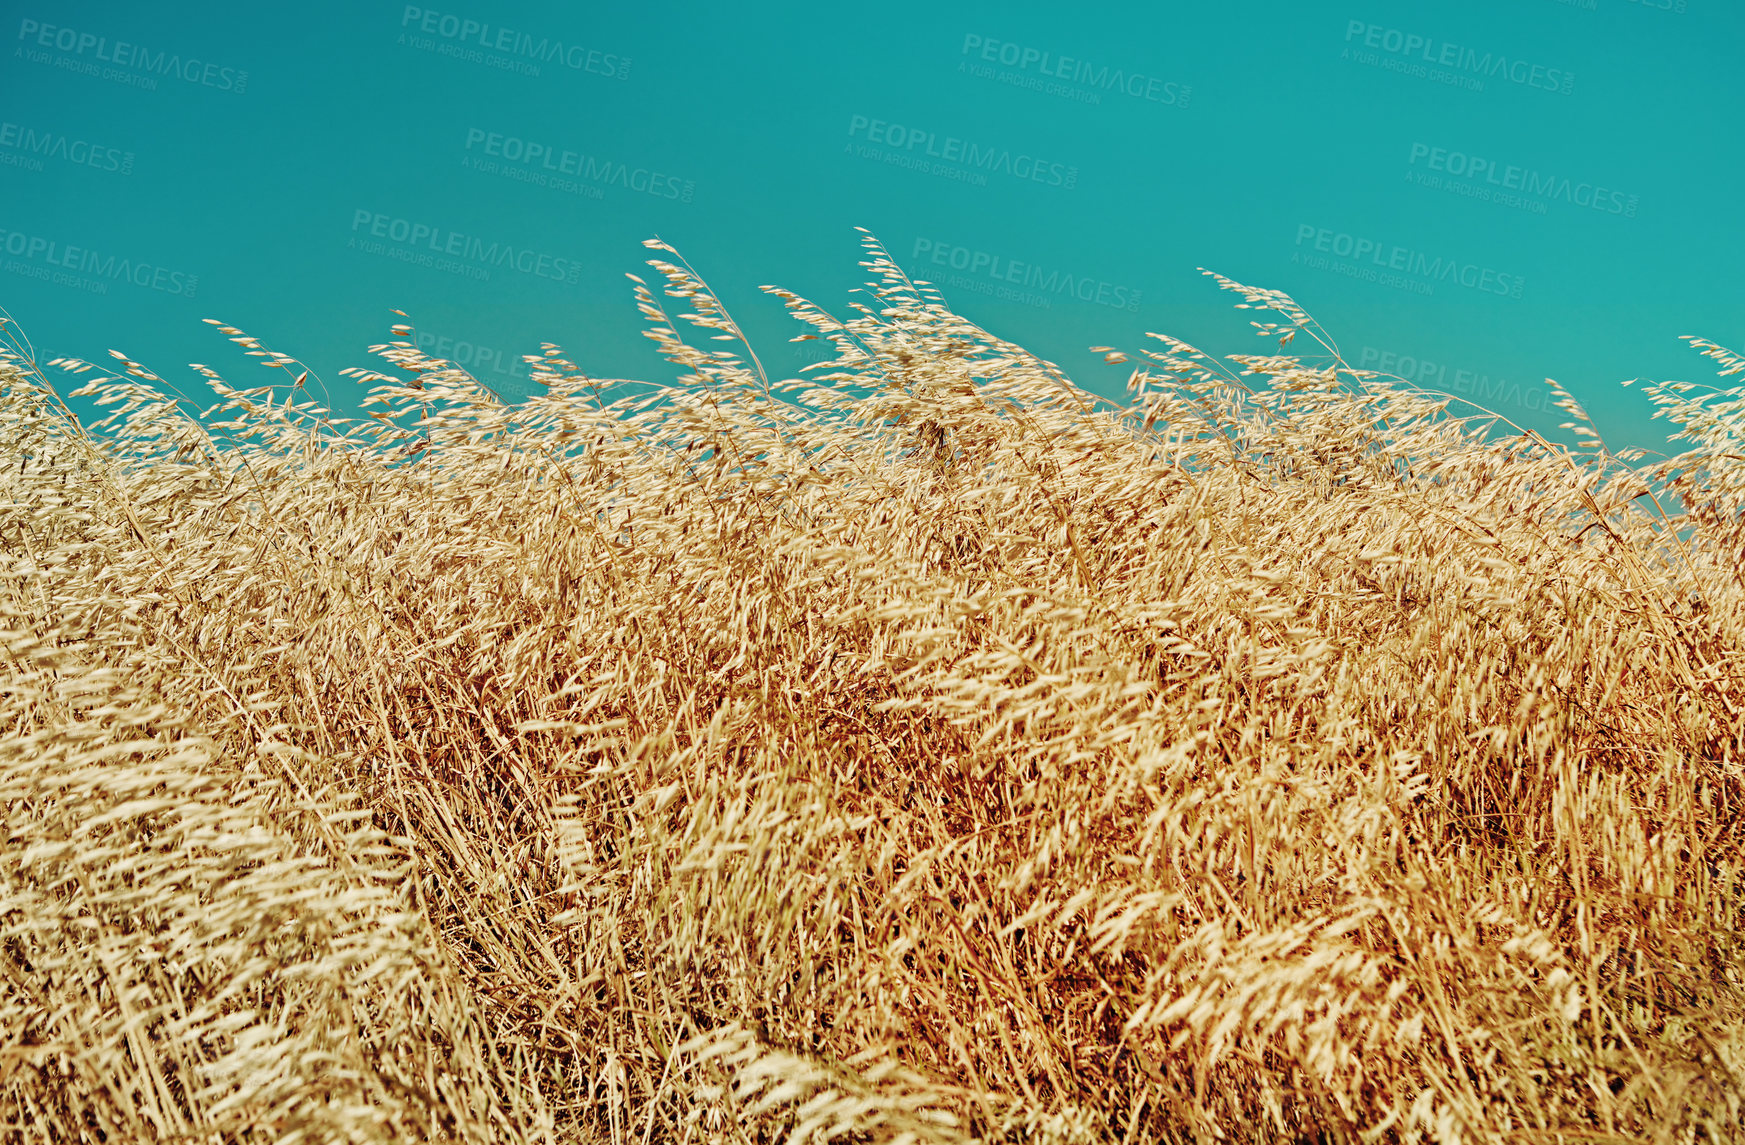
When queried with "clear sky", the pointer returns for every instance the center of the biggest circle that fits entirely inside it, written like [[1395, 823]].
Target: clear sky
[[1479, 194]]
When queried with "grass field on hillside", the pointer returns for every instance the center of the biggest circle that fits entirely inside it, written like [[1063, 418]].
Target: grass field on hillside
[[925, 751]]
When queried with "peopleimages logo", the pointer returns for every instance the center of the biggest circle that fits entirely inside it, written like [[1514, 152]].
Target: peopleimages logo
[[531, 161], [1049, 66], [1436, 376], [1375, 261], [30, 145], [1026, 275], [442, 249], [86, 269], [39, 40], [904, 141], [514, 51], [500, 372], [1534, 184], [1416, 51]]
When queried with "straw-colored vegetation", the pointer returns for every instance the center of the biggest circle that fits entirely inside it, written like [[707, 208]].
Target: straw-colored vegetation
[[927, 751]]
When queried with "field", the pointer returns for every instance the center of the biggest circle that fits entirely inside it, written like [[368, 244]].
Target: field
[[927, 751]]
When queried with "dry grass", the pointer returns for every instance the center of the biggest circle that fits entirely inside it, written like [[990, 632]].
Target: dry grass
[[1294, 762]]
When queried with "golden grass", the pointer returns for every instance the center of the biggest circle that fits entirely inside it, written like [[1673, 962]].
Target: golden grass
[[929, 751]]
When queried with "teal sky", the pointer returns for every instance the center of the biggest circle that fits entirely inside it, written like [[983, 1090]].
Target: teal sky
[[1355, 156]]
